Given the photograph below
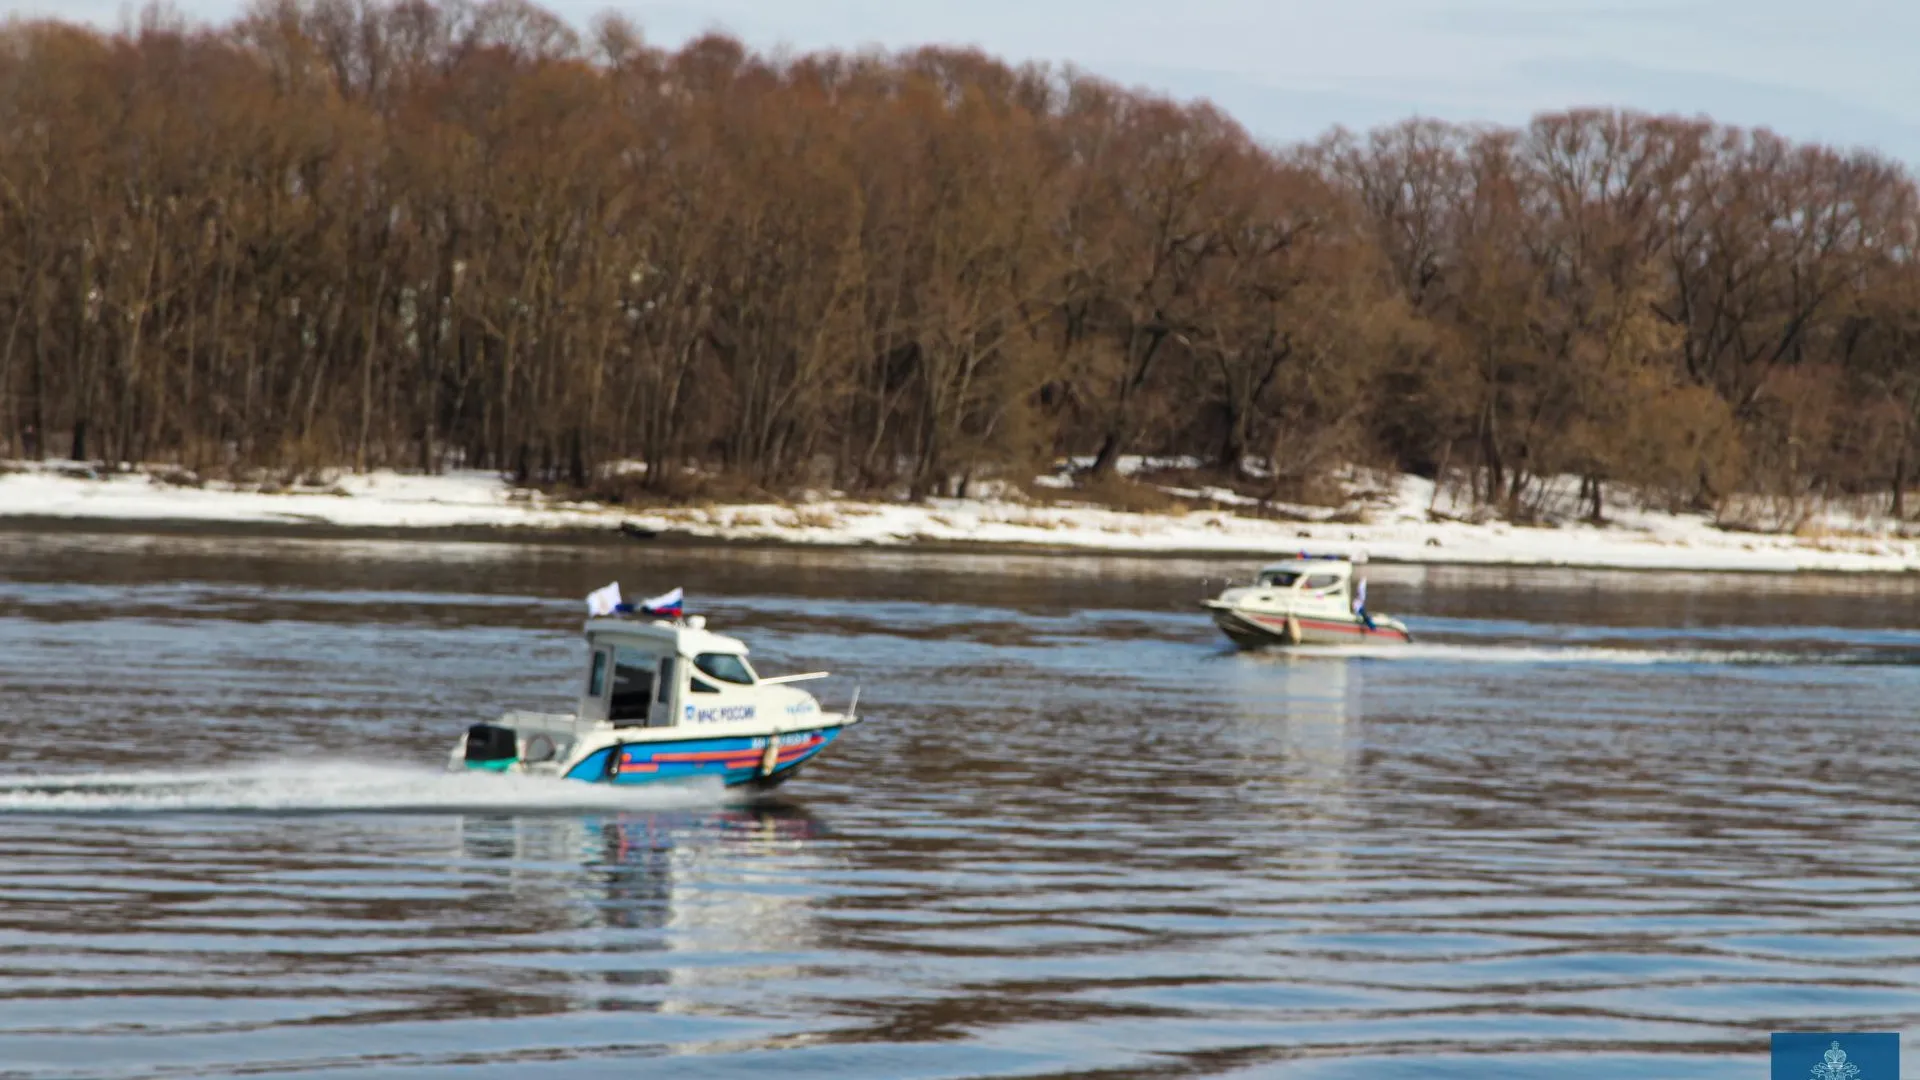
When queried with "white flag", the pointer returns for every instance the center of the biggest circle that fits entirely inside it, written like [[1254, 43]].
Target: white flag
[[603, 601]]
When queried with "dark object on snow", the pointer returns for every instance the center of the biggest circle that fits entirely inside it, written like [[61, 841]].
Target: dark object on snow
[[637, 532]]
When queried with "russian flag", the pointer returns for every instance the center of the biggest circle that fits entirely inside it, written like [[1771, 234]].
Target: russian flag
[[669, 604]]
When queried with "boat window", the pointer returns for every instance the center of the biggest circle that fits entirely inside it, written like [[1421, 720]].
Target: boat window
[[701, 686], [666, 679], [1280, 579], [632, 685], [1316, 582], [724, 666], [597, 681]]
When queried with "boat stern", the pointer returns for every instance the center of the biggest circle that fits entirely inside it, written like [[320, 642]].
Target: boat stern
[[518, 743]]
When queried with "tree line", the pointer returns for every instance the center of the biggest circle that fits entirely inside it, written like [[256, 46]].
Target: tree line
[[414, 234]]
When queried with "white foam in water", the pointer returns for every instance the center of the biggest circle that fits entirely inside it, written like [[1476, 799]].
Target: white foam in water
[[1547, 654], [330, 786]]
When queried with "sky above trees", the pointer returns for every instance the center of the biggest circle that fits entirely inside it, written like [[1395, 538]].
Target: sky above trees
[[1289, 69]]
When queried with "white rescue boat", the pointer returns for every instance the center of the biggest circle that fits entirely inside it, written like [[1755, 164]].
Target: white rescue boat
[[664, 698], [1306, 600]]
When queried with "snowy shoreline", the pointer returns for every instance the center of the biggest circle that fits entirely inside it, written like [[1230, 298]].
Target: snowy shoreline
[[1395, 526]]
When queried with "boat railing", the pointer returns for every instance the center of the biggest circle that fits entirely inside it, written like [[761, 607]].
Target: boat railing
[[537, 721], [776, 680]]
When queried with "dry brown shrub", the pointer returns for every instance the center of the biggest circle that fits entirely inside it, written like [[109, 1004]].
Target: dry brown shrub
[[673, 487], [616, 489], [1309, 489], [1764, 513], [1116, 492], [174, 476]]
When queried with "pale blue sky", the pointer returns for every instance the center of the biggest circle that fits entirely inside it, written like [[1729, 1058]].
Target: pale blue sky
[[1842, 71]]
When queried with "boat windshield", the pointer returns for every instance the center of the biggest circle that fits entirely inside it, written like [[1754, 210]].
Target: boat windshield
[[724, 666], [1279, 579]]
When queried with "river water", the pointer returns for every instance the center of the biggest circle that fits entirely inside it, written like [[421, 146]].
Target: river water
[[1589, 825]]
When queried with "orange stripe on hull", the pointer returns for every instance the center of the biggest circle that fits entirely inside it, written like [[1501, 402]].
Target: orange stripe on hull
[[731, 757], [699, 755]]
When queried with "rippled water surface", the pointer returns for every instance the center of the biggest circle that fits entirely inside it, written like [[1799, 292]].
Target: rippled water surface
[[1589, 825]]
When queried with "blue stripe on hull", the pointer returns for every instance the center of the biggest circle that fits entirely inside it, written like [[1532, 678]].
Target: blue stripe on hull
[[637, 757], [592, 767]]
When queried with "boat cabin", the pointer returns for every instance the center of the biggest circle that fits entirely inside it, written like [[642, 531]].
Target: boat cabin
[[1316, 578], [657, 673]]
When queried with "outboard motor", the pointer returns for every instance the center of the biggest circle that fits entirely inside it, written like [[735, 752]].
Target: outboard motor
[[491, 747]]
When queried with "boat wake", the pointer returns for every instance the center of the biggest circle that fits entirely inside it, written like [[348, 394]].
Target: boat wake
[[331, 787], [1585, 654]]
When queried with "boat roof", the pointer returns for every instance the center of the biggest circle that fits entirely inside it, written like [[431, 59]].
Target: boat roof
[[661, 635], [1312, 564]]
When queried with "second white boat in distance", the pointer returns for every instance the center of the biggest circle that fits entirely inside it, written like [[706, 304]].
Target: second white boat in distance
[[1304, 600]]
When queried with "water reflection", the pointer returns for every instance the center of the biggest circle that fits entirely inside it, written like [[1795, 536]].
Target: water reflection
[[681, 902], [1301, 719], [1268, 684]]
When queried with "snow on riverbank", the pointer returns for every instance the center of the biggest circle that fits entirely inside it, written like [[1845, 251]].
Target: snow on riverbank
[[1394, 525], [376, 500]]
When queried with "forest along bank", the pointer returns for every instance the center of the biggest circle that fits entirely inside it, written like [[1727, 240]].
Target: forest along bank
[[515, 246]]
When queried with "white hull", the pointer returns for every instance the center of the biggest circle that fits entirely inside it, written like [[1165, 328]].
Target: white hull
[[1252, 628], [763, 755], [663, 701]]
